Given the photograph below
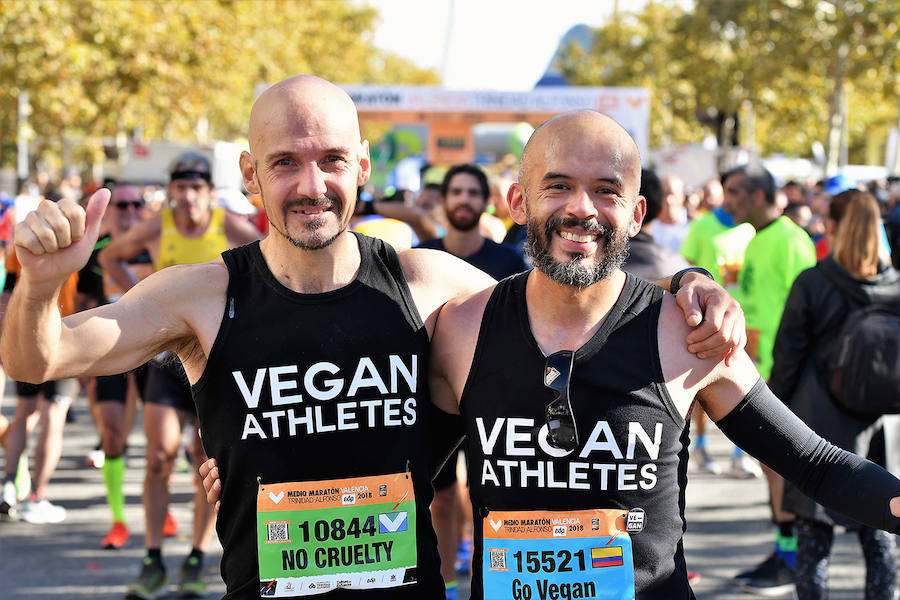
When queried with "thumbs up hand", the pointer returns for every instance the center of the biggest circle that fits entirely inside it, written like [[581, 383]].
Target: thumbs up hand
[[57, 239]]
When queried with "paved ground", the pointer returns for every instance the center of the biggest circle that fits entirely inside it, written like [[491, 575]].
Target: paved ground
[[728, 531]]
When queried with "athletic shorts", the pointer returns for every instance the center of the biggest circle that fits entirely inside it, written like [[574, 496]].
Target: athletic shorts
[[53, 391], [114, 388], [168, 385]]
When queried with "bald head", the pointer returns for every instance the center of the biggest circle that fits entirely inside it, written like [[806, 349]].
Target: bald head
[[309, 105], [602, 138]]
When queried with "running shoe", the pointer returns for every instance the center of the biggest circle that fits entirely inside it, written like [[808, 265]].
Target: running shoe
[[152, 583], [190, 579], [8, 498], [117, 536], [41, 511], [170, 527], [96, 457], [704, 461], [772, 577], [744, 467]]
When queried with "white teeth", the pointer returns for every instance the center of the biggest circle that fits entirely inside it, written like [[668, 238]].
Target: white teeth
[[576, 238]]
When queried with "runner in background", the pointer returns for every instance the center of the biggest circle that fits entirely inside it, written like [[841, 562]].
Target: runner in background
[[114, 397], [716, 243], [192, 230], [24, 490]]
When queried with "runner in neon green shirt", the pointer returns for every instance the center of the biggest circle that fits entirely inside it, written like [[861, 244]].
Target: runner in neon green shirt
[[772, 260], [778, 252], [715, 243]]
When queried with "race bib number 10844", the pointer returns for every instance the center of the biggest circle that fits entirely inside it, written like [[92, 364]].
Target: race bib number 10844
[[314, 537]]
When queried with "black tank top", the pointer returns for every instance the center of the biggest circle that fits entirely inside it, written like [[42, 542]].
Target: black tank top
[[362, 350], [633, 442]]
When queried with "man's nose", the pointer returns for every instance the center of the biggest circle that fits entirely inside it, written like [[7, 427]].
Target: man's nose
[[311, 183], [581, 204]]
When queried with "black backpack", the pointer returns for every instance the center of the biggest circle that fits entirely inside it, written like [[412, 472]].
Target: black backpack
[[863, 364]]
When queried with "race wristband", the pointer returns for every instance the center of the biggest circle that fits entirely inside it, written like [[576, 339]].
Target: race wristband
[[675, 283]]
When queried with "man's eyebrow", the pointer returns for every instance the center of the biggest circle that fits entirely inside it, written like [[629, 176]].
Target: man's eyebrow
[[339, 150], [550, 176]]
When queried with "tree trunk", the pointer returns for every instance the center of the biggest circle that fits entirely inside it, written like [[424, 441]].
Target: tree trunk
[[837, 115]]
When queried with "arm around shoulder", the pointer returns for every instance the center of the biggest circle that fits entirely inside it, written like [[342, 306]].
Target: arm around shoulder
[[453, 347], [434, 277]]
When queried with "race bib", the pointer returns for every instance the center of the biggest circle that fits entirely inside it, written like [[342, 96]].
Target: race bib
[[536, 555], [317, 536]]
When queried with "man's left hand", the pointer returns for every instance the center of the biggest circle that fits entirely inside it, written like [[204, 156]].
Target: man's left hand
[[716, 317]]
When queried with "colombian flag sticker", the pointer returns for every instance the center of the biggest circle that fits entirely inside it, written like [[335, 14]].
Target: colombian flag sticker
[[610, 556]]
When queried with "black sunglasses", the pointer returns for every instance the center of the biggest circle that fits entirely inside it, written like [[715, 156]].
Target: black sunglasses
[[123, 205], [561, 431]]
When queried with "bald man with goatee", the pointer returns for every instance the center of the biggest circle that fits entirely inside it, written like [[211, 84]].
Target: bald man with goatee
[[307, 355]]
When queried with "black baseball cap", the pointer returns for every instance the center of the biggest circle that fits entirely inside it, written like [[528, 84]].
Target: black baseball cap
[[190, 165]]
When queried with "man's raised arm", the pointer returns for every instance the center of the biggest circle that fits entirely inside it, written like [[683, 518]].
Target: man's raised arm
[[37, 344]]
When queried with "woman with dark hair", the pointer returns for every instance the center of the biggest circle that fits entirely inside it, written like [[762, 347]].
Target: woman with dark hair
[[821, 299]]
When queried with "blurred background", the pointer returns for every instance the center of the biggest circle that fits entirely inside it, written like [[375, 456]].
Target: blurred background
[[114, 88]]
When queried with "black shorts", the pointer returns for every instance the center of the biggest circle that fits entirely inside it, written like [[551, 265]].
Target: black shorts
[[114, 388], [53, 391], [168, 385]]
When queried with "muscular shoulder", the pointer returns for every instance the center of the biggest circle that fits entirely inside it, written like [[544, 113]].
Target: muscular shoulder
[[720, 387], [463, 314], [685, 374], [455, 338], [434, 277]]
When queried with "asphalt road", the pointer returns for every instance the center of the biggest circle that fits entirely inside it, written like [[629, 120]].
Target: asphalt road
[[728, 531]]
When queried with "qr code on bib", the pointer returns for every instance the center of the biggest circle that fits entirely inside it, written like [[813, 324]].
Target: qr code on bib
[[277, 532], [498, 559]]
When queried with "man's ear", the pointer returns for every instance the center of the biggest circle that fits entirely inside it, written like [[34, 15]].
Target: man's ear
[[637, 217], [248, 172], [515, 197], [365, 164]]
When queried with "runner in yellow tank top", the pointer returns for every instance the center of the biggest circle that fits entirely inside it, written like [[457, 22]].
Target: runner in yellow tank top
[[192, 231], [177, 249]]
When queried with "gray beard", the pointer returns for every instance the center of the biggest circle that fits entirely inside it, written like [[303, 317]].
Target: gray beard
[[316, 244], [613, 244]]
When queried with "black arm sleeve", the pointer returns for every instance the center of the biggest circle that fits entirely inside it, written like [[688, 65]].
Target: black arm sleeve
[[764, 427], [446, 435]]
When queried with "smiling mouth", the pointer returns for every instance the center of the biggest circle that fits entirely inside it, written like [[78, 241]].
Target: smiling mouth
[[574, 237]]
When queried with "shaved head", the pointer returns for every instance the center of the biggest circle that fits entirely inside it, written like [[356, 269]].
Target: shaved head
[[308, 103], [306, 159], [603, 137], [578, 194]]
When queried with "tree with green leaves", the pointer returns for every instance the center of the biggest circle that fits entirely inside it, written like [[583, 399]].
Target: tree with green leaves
[[95, 68], [806, 70]]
